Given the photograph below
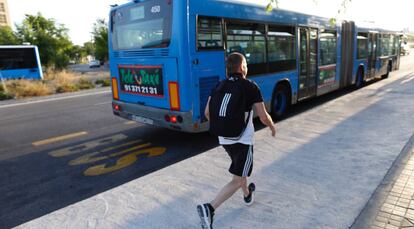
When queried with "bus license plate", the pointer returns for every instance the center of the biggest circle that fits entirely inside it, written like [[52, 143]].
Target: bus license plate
[[141, 119]]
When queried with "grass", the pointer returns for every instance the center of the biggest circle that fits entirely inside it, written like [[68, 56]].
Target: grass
[[53, 82]]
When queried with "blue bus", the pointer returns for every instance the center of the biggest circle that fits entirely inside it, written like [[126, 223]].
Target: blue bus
[[377, 53], [20, 62], [166, 56]]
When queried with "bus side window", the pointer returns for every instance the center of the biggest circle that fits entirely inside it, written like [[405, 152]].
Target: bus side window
[[362, 46], [209, 33], [248, 39], [282, 52], [328, 44]]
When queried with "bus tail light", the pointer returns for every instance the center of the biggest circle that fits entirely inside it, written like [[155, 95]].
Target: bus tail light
[[173, 119], [115, 92], [174, 96], [116, 107]]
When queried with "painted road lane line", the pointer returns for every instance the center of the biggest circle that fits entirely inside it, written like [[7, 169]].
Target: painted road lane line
[[54, 99], [59, 138], [104, 103]]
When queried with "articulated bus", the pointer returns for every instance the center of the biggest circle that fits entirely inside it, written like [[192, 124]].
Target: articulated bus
[[377, 53], [20, 62], [167, 55]]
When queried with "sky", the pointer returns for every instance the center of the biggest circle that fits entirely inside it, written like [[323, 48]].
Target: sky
[[80, 15]]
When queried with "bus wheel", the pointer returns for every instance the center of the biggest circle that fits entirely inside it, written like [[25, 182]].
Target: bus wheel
[[359, 80], [280, 101], [389, 68]]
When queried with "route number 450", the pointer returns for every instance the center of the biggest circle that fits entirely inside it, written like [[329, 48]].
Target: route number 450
[[155, 9]]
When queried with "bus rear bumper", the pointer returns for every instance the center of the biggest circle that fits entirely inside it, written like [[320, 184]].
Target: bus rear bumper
[[175, 120]]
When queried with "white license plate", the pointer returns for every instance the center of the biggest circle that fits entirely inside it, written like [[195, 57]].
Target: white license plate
[[142, 119]]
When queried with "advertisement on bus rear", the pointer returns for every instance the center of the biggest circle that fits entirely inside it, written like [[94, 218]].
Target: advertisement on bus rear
[[143, 80]]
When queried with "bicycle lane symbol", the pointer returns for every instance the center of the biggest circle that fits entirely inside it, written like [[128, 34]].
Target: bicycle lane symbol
[[127, 154]]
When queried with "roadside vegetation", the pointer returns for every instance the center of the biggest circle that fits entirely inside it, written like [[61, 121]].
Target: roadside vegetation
[[54, 82], [56, 52]]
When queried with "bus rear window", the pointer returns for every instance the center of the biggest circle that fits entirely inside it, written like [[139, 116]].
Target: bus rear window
[[143, 25], [17, 58]]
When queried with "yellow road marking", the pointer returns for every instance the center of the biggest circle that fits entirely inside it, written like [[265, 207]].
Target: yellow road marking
[[60, 138], [86, 146], [123, 162], [92, 157], [130, 123]]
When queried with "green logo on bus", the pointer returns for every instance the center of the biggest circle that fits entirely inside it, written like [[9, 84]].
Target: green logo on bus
[[148, 77]]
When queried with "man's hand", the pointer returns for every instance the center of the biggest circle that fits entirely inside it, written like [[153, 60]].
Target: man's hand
[[265, 118], [273, 129]]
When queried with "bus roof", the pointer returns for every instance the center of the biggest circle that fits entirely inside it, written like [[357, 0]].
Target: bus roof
[[250, 11], [254, 11], [17, 46]]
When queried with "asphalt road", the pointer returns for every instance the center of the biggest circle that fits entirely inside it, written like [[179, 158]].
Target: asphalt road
[[62, 150], [46, 152], [86, 68]]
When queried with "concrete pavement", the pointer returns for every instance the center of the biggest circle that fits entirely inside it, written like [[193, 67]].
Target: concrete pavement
[[319, 172], [392, 204]]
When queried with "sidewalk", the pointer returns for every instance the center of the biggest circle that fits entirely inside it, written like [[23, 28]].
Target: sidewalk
[[319, 172], [392, 205]]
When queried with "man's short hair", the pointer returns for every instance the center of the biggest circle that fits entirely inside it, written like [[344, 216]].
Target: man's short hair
[[234, 61]]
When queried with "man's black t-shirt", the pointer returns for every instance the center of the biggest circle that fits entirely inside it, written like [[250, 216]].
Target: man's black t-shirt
[[253, 93], [252, 96]]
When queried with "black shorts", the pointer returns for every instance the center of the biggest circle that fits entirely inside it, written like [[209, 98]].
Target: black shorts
[[241, 159]]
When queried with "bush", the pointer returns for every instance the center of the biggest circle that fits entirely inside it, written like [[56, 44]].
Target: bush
[[85, 84], [27, 88], [4, 96], [67, 87], [103, 83]]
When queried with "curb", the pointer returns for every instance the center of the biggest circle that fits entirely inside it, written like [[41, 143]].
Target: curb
[[367, 216]]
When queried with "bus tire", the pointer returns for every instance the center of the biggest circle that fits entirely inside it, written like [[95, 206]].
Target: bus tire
[[280, 101], [359, 82], [389, 68]]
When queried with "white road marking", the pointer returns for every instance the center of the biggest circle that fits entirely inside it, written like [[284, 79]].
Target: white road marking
[[104, 103], [54, 99]]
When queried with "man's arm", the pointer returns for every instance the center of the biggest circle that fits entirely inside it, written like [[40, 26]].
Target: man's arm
[[207, 110], [265, 118]]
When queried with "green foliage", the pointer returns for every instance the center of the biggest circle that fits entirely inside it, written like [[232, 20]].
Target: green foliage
[[100, 38], [103, 83], [88, 48], [51, 38], [272, 4], [85, 84], [67, 87], [8, 37], [4, 96], [75, 53]]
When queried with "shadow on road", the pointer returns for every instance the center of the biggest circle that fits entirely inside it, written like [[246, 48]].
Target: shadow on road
[[42, 182]]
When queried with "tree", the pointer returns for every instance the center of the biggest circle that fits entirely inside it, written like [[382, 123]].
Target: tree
[[8, 37], [76, 54], [100, 39], [51, 38], [88, 49]]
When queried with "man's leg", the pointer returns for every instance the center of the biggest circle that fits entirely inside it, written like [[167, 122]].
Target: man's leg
[[229, 189]]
